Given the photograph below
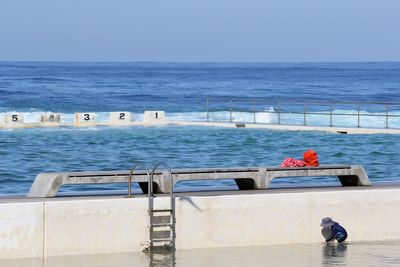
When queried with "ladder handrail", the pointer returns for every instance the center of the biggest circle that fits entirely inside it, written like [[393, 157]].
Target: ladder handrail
[[150, 191], [131, 173], [172, 201]]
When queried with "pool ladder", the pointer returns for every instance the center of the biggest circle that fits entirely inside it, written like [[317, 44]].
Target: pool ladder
[[161, 221]]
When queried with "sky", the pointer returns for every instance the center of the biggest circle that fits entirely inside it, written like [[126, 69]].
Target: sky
[[200, 30]]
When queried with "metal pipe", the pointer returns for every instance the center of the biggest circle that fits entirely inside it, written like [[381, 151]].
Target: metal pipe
[[279, 114], [321, 102], [254, 110], [305, 112], [208, 118], [131, 173], [172, 199], [230, 109], [169, 176], [387, 117]]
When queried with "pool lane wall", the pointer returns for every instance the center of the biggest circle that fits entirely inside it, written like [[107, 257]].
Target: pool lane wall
[[80, 226]]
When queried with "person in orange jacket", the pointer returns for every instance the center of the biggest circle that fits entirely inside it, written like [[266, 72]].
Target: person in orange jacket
[[311, 158]]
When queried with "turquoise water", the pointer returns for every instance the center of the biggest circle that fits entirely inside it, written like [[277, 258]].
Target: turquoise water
[[181, 90]]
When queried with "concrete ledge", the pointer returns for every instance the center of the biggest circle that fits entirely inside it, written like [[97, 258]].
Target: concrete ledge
[[336, 130], [47, 184]]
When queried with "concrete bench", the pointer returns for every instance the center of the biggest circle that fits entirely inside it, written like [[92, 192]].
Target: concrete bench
[[48, 184]]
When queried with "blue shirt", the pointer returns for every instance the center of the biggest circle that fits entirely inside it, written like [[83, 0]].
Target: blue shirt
[[338, 233]]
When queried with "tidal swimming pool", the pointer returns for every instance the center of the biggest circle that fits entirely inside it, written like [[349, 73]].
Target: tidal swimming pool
[[25, 153]]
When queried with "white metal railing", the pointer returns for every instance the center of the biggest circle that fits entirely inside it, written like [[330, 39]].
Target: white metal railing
[[382, 110]]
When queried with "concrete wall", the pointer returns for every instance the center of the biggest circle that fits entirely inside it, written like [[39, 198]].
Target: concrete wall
[[21, 230], [77, 226]]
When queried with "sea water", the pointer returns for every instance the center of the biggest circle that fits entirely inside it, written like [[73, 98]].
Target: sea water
[[181, 89]]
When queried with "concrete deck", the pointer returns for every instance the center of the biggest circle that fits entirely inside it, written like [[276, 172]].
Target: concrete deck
[[340, 130]]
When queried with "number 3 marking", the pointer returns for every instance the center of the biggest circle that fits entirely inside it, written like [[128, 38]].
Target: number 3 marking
[[86, 117]]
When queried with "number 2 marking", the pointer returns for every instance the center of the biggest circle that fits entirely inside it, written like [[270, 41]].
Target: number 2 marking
[[122, 116]]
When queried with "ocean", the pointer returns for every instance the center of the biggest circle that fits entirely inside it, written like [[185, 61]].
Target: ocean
[[182, 90]]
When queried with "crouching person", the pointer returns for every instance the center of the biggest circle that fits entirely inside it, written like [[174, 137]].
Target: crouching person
[[331, 230]]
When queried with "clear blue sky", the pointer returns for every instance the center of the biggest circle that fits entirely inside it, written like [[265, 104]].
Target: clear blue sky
[[200, 30]]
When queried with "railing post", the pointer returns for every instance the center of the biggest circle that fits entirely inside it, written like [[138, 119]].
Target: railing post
[[279, 114], [208, 118], [358, 116], [331, 116], [254, 110], [305, 112], [230, 109], [387, 117]]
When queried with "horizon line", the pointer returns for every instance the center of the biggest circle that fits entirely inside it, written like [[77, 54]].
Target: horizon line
[[187, 61]]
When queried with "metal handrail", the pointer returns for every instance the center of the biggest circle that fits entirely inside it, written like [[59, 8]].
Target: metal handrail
[[308, 101], [131, 173], [156, 165], [251, 104], [172, 199]]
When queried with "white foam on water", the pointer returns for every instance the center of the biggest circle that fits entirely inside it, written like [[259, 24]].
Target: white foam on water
[[102, 116], [187, 116], [67, 118], [32, 117], [341, 117]]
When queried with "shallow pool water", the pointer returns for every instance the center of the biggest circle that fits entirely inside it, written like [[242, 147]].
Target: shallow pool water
[[383, 253]]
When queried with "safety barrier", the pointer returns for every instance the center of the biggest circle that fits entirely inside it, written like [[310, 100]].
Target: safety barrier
[[304, 111], [361, 118]]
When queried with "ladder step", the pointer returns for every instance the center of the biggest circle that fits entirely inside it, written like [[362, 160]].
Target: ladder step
[[164, 210], [161, 225], [162, 234], [161, 219], [162, 240]]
